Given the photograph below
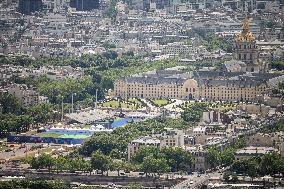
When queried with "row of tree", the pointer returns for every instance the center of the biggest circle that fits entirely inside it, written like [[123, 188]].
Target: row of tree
[[147, 159], [59, 164], [155, 160], [40, 184], [33, 184], [268, 164]]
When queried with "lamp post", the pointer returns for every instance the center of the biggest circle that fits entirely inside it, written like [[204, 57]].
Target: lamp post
[[96, 98], [72, 99], [62, 109]]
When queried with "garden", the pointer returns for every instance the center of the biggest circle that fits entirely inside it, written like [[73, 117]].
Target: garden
[[130, 103]]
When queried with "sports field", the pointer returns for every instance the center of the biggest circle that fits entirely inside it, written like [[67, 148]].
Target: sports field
[[54, 135]]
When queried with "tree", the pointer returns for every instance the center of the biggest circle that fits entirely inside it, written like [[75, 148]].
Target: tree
[[107, 83], [226, 176], [61, 164], [116, 154], [213, 42], [212, 157], [133, 187], [99, 161], [111, 11], [110, 55], [177, 158], [13, 123], [34, 163], [227, 156], [145, 151], [281, 85], [252, 167], [117, 166], [46, 161], [151, 164], [41, 113], [192, 112], [241, 143], [239, 166], [33, 184], [271, 164], [10, 104], [279, 65]]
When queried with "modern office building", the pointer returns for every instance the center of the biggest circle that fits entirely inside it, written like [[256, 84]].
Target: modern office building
[[85, 5], [30, 6]]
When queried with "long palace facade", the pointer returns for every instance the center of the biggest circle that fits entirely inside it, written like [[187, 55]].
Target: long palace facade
[[194, 85]]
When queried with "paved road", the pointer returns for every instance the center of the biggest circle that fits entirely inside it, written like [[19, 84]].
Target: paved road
[[152, 108]]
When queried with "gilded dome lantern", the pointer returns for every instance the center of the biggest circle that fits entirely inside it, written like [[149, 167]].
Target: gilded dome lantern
[[245, 35]]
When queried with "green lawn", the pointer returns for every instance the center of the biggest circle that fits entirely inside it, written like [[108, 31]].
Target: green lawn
[[224, 106], [54, 135], [135, 101], [74, 136], [161, 102], [115, 104], [50, 135]]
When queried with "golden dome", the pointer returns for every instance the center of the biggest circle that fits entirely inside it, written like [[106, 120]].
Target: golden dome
[[245, 35]]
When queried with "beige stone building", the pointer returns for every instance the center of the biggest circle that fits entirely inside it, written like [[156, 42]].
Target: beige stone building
[[275, 140], [168, 138], [195, 87], [199, 156], [27, 97]]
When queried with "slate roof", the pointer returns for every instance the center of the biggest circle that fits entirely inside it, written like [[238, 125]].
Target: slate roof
[[178, 77], [155, 80]]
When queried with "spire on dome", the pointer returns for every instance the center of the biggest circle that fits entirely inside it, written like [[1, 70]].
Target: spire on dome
[[246, 25], [245, 35]]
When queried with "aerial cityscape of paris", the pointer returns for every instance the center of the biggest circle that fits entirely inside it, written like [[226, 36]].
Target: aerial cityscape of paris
[[141, 94]]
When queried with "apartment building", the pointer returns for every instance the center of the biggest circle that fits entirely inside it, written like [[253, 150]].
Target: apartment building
[[171, 138], [179, 49], [198, 155], [167, 138], [134, 145], [27, 97]]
